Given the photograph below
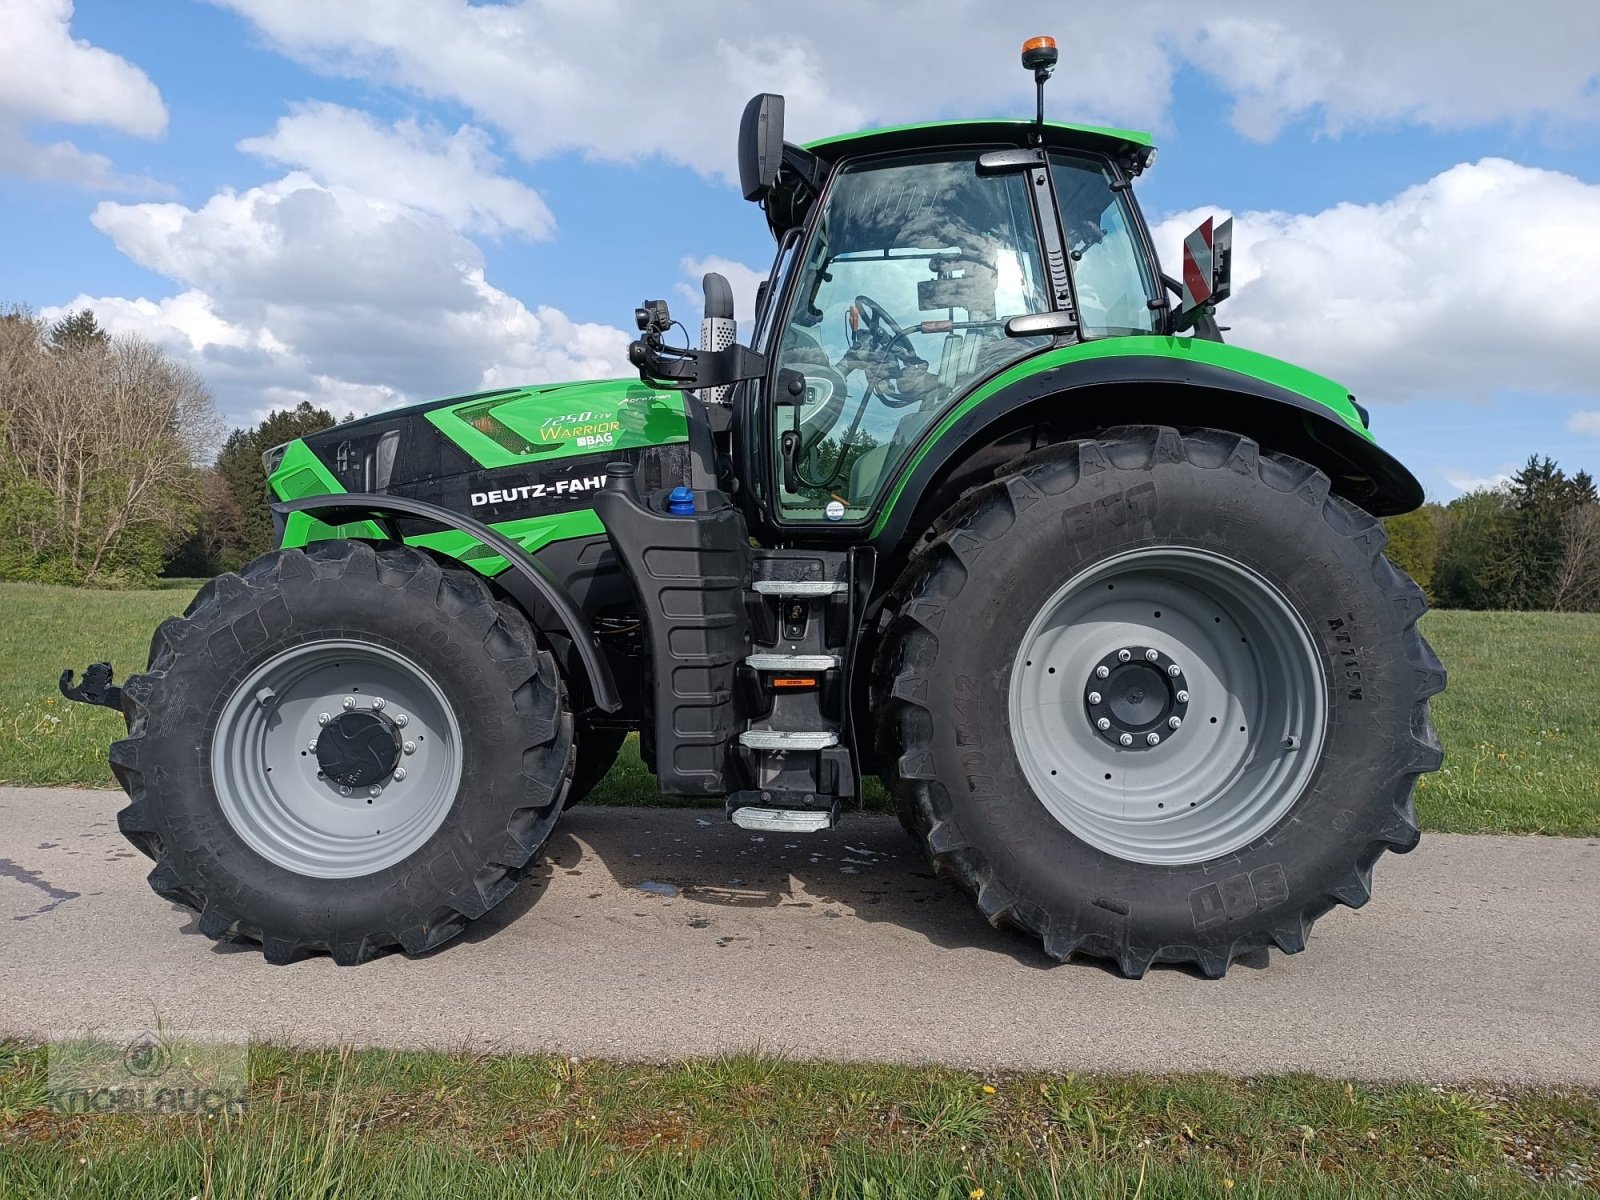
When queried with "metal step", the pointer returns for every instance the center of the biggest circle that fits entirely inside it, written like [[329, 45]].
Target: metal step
[[800, 587], [793, 662], [782, 820], [783, 739]]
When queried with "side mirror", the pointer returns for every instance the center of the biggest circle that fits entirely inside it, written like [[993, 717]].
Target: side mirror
[[760, 145], [1045, 324]]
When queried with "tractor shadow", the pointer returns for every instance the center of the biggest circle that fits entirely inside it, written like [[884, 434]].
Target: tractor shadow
[[867, 869]]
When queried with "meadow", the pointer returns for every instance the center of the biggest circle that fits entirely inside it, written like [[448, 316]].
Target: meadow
[[1520, 720]]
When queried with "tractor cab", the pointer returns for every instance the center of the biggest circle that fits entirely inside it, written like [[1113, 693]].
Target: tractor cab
[[914, 264]]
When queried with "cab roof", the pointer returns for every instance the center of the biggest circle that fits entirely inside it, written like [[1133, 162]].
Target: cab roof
[[934, 134]]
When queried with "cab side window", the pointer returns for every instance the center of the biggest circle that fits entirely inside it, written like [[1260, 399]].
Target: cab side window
[[1110, 269]]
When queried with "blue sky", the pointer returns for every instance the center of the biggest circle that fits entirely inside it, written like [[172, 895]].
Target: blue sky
[[437, 196]]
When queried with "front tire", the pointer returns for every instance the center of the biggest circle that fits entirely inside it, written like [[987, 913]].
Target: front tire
[[1186, 771], [290, 802]]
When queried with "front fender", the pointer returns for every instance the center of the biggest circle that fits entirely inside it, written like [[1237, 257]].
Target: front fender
[[528, 580]]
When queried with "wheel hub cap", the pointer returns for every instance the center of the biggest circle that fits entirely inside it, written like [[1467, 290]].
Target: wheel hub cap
[[1136, 692], [359, 748]]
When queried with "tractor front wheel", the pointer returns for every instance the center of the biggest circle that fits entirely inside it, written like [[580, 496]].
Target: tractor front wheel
[[343, 750], [1196, 712]]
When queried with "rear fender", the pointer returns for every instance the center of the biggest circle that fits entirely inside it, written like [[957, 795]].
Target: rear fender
[[1061, 401]]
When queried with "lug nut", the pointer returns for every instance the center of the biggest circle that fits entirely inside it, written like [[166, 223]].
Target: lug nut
[[1102, 672], [1152, 655], [1124, 655], [349, 702], [312, 744], [1174, 722], [1102, 724], [344, 790], [374, 791], [1154, 739], [377, 704], [401, 719], [1126, 739], [410, 747], [1094, 697], [399, 773], [1173, 670], [323, 718], [1183, 697]]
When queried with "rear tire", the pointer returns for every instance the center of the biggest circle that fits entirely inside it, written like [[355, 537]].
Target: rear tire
[[249, 833], [999, 762]]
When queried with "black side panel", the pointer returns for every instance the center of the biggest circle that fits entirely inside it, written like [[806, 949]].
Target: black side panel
[[690, 573]]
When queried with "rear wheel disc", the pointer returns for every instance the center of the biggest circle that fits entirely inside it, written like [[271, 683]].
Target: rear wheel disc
[[291, 804], [1168, 705]]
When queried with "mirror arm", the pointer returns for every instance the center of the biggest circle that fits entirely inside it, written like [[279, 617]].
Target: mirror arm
[[683, 369]]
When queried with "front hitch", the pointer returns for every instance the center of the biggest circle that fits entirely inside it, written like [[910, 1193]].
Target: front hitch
[[96, 687]]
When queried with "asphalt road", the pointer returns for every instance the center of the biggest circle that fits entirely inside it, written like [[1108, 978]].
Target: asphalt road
[[658, 933]]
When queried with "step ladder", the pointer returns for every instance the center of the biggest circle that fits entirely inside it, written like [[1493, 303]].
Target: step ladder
[[796, 767]]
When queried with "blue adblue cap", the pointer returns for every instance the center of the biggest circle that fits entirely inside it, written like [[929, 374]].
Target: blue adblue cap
[[680, 502]]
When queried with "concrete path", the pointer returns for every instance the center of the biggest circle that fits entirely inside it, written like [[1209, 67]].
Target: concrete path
[[659, 933]]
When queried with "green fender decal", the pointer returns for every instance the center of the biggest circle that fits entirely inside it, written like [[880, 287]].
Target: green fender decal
[[1324, 391], [564, 420], [301, 474]]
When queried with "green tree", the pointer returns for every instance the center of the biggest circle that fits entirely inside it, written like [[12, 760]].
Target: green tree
[[1541, 496], [1473, 568], [1414, 543], [99, 438], [240, 525], [78, 331]]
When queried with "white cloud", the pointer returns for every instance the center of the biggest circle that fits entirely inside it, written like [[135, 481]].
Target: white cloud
[[295, 289], [1482, 279], [47, 75], [1379, 62], [1584, 423], [451, 175], [620, 81], [1464, 482]]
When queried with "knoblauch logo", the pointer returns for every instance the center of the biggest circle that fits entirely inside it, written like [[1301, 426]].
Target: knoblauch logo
[[147, 1056]]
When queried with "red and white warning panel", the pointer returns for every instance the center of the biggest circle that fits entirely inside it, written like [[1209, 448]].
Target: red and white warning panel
[[1197, 266], [1207, 264]]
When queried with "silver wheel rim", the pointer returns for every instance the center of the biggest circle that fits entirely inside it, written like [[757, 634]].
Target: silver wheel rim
[[269, 781], [1249, 734]]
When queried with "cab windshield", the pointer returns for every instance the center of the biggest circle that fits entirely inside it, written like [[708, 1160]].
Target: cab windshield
[[900, 305]]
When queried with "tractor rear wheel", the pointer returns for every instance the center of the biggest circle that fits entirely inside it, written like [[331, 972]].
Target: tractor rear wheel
[[1197, 711], [343, 749]]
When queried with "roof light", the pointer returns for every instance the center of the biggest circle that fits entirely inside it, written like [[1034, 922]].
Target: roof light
[[1039, 54]]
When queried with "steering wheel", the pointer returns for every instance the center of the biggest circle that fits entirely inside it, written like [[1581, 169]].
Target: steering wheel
[[897, 342]]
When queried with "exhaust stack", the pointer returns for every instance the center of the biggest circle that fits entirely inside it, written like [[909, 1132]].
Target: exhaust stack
[[717, 328]]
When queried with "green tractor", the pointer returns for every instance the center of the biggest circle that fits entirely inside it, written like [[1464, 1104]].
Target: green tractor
[[985, 507]]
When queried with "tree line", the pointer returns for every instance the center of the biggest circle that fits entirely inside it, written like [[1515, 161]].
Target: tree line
[[115, 471], [1533, 543], [106, 448]]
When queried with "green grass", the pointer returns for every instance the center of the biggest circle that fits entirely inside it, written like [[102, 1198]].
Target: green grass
[[395, 1124], [1520, 721]]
